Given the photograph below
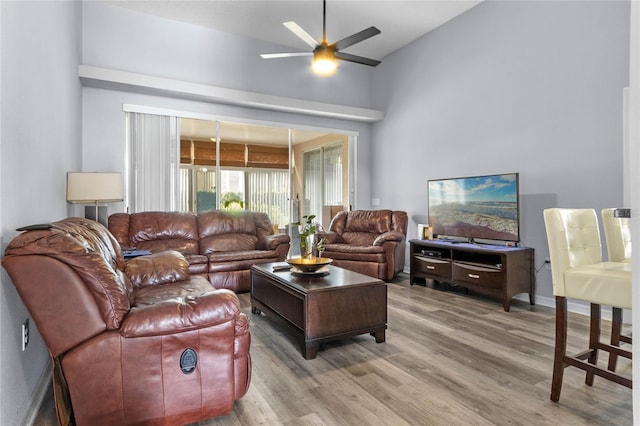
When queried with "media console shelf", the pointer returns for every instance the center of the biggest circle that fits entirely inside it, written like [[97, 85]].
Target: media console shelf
[[490, 269]]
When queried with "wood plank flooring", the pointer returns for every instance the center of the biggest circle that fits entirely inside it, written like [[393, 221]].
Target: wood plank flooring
[[450, 359]]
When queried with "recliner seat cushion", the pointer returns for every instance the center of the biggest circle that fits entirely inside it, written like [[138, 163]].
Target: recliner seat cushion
[[157, 268], [360, 253]]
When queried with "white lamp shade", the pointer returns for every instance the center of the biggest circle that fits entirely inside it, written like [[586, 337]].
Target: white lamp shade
[[91, 187]]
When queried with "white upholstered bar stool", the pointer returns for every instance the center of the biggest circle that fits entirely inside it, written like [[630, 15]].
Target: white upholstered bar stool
[[578, 272], [617, 233]]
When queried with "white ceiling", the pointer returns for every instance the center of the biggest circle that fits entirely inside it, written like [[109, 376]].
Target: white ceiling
[[400, 22]]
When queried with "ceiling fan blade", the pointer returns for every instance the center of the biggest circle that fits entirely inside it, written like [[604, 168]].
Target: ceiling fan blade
[[284, 55], [302, 34], [357, 59], [356, 38]]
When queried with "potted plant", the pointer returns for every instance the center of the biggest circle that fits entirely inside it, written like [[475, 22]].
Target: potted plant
[[308, 233]]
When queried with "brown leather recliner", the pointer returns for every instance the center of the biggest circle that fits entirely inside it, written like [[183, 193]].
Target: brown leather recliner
[[371, 242], [131, 343]]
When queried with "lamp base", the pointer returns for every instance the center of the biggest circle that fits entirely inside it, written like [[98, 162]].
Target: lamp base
[[97, 213]]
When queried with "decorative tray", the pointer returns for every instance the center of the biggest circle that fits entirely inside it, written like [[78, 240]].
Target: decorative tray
[[309, 265]]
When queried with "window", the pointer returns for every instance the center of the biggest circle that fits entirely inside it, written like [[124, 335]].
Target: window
[[196, 165], [252, 176]]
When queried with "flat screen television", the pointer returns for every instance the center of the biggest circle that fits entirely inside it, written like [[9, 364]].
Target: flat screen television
[[476, 207]]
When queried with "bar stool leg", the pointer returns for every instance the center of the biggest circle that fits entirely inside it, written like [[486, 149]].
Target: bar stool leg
[[594, 340], [616, 331], [560, 348]]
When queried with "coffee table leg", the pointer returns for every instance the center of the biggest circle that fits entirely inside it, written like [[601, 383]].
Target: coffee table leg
[[310, 350]]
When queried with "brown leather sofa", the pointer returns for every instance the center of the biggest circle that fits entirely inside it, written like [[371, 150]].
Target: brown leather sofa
[[371, 242], [221, 245], [131, 343]]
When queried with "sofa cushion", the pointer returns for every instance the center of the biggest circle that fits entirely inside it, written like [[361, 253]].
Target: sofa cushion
[[359, 238], [226, 231], [368, 221], [161, 231], [227, 242], [236, 256], [158, 268]]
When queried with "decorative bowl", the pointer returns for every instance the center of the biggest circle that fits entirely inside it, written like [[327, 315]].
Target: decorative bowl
[[309, 264]]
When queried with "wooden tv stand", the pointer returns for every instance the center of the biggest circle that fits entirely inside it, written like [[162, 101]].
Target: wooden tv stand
[[490, 269]]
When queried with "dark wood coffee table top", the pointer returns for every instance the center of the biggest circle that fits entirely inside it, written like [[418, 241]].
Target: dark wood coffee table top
[[337, 277]]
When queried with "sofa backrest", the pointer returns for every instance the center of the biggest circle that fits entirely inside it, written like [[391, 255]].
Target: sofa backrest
[[362, 227], [156, 231], [232, 230], [67, 267]]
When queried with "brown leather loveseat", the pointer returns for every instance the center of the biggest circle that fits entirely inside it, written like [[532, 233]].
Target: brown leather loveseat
[[371, 242], [131, 343], [221, 245]]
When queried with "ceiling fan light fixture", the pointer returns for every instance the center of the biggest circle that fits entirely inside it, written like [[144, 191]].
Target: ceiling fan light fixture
[[325, 55], [324, 62]]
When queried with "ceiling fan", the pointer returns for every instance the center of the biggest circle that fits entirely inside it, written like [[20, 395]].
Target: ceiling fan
[[325, 54]]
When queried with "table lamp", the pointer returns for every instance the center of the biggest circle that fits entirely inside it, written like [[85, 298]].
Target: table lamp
[[94, 188]]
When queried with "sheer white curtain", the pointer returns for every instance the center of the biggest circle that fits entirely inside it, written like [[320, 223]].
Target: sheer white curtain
[[322, 179], [312, 180], [333, 175], [153, 162]]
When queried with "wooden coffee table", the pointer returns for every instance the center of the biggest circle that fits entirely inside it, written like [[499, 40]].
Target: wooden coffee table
[[319, 309]]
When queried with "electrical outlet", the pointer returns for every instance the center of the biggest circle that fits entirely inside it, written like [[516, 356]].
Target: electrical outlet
[[25, 334]]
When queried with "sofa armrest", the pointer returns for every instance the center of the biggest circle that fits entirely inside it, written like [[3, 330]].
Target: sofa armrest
[[395, 236], [158, 268], [273, 241], [179, 314], [118, 225]]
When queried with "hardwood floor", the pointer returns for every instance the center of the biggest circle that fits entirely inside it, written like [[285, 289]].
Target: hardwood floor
[[449, 359]]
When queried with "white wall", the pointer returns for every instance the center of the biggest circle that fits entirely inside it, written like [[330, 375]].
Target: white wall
[[528, 87], [39, 142]]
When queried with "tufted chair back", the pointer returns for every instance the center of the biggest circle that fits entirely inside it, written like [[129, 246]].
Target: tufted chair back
[[574, 240]]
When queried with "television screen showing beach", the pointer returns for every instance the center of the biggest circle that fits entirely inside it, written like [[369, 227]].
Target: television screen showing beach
[[475, 207]]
